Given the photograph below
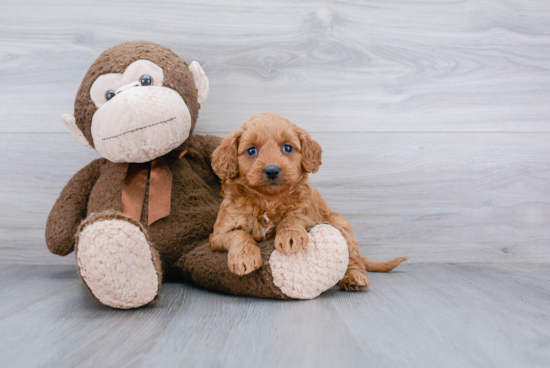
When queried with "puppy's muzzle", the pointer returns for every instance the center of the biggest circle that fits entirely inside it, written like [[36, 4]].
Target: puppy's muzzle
[[272, 172]]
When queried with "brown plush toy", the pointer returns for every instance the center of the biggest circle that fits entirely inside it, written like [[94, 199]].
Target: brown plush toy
[[147, 207]]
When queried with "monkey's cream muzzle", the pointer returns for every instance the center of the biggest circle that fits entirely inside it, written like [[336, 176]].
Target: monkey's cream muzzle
[[140, 124]]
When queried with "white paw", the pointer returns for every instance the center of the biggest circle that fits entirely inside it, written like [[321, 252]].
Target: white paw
[[316, 268], [116, 263]]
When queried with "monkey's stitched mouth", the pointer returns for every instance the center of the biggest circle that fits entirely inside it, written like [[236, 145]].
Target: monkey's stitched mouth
[[135, 130]]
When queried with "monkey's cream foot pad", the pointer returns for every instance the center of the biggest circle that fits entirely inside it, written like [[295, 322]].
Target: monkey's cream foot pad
[[316, 268], [116, 263]]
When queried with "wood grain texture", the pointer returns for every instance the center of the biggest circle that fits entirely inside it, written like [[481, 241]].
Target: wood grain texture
[[420, 316], [442, 197], [330, 66]]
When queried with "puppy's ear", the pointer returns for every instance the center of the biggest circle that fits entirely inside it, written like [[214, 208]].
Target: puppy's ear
[[224, 158], [311, 152]]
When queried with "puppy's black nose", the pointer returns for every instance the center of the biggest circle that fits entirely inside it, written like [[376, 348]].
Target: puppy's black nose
[[272, 172]]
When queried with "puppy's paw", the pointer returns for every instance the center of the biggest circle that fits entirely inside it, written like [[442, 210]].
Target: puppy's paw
[[291, 241], [354, 281], [244, 260]]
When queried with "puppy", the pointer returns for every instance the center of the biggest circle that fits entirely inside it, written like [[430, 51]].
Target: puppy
[[264, 168]]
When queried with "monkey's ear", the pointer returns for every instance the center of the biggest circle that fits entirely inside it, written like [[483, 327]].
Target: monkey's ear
[[201, 81], [70, 122], [224, 158]]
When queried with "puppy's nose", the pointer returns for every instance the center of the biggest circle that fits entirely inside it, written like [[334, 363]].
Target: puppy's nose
[[272, 172]]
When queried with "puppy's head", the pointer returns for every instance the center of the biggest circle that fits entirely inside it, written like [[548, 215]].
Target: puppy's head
[[268, 154]]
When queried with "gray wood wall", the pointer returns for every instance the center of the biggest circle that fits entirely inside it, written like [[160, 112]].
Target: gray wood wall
[[433, 115]]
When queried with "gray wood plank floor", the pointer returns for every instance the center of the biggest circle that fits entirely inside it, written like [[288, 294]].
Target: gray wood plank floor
[[421, 315]]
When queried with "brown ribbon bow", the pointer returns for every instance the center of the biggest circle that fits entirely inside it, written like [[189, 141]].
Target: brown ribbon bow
[[160, 188]]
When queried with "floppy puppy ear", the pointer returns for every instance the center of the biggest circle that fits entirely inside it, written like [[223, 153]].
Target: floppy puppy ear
[[311, 152], [224, 158]]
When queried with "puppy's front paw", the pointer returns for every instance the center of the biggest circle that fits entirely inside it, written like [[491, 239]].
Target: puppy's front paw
[[354, 281], [244, 260], [291, 241]]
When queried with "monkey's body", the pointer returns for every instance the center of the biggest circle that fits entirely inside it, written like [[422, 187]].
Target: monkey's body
[[137, 104], [97, 190]]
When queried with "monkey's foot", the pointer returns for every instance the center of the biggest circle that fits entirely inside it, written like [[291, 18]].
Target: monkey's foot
[[116, 262], [316, 268]]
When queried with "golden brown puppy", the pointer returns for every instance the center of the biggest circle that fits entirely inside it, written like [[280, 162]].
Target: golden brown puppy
[[264, 168]]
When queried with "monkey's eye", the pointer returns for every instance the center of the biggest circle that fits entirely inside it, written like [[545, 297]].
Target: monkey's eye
[[110, 94], [252, 151], [146, 80], [287, 148]]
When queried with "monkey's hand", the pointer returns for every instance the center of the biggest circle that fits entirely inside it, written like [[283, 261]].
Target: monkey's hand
[[70, 208]]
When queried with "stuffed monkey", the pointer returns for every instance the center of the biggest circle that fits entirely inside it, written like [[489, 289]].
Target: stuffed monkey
[[146, 208]]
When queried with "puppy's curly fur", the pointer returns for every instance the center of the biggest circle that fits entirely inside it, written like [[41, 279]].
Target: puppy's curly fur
[[257, 207]]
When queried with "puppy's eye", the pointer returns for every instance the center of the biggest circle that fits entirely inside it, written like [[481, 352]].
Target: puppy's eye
[[287, 148], [110, 94], [252, 151], [146, 80]]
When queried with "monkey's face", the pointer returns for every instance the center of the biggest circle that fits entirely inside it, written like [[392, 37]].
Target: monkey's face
[[142, 111], [137, 119]]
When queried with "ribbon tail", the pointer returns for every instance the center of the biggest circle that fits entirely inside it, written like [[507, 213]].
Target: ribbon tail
[[133, 191], [160, 190]]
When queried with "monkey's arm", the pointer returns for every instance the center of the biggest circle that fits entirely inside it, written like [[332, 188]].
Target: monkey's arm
[[199, 153], [201, 147], [211, 142], [70, 208]]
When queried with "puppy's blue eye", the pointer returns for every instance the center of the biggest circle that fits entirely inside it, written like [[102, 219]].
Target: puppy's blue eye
[[252, 151], [287, 148], [146, 80], [109, 94]]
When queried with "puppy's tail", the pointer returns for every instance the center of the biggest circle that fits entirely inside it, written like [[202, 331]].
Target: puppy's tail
[[375, 266]]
